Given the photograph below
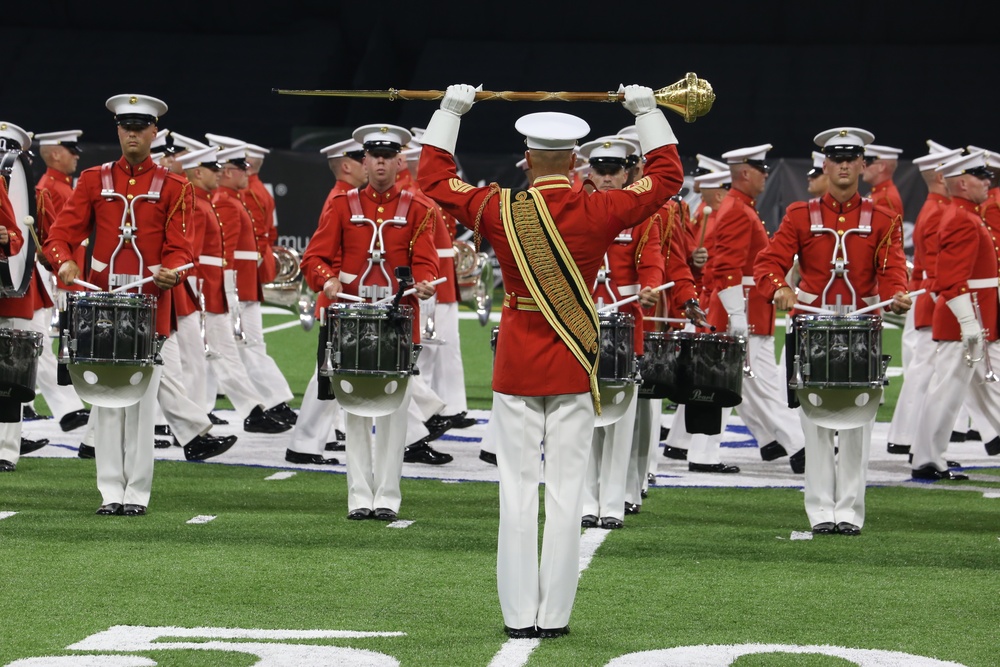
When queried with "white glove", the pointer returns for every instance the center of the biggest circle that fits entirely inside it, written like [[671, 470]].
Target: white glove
[[638, 99], [459, 98], [735, 304], [972, 333], [738, 325], [229, 285]]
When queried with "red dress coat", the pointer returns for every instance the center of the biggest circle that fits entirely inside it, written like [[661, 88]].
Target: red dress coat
[[886, 195], [633, 262], [339, 248], [52, 192], [161, 234], [531, 358], [260, 204], [968, 253], [339, 188], [925, 252], [234, 215], [736, 238], [877, 264]]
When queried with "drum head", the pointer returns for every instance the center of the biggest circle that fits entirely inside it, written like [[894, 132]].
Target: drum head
[[614, 402], [110, 385], [840, 408], [15, 273], [368, 395]]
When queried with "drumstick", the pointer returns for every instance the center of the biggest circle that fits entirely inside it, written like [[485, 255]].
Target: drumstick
[[634, 297], [707, 211], [668, 320], [412, 290], [143, 281], [813, 309], [349, 297], [90, 286], [882, 304]]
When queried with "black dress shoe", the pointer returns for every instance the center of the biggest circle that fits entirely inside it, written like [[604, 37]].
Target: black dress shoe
[[28, 414], [552, 633], [632, 508], [359, 514], [644, 494], [611, 523], [421, 452], [850, 529], [134, 510], [461, 421], [588, 521], [206, 446], [384, 514], [664, 433], [74, 420], [993, 446], [488, 457], [650, 478], [929, 472], [259, 422], [678, 453], [957, 436], [85, 451], [218, 421], [798, 461], [28, 446], [293, 456], [973, 434], [340, 434], [160, 443], [521, 633], [712, 467], [111, 509], [953, 464], [893, 448], [162, 429], [336, 446], [436, 427], [282, 413], [7, 466], [825, 528], [772, 450]]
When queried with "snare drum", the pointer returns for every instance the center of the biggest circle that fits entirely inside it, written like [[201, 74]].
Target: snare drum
[[656, 366], [110, 328], [370, 339], [616, 364], [698, 368], [19, 352], [839, 351]]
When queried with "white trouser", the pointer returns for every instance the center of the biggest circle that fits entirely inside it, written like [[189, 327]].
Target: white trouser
[[909, 339], [264, 373], [61, 399], [489, 441], [424, 404], [227, 366], [952, 382], [442, 364], [533, 592], [702, 448], [193, 362], [185, 417], [608, 470], [373, 472], [655, 410], [317, 421], [10, 441], [835, 483], [916, 375], [123, 443], [765, 409]]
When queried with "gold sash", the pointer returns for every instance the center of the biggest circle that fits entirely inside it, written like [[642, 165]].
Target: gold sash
[[553, 278]]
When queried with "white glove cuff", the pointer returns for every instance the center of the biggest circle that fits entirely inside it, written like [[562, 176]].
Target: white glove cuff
[[229, 280], [961, 307], [442, 130], [732, 300], [653, 129]]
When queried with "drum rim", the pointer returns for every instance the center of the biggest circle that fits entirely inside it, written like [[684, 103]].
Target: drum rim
[[106, 297]]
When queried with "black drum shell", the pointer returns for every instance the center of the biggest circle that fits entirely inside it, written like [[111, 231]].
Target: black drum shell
[[107, 328], [688, 367], [19, 351], [839, 351], [370, 339], [616, 362]]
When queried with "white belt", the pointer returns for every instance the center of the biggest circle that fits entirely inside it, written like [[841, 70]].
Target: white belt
[[446, 252], [629, 290], [747, 281], [208, 260], [246, 254], [924, 276], [983, 283]]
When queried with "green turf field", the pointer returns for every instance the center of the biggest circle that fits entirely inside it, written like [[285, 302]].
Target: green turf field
[[279, 578]]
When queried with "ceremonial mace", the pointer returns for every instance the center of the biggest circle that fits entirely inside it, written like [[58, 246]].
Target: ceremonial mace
[[690, 97]]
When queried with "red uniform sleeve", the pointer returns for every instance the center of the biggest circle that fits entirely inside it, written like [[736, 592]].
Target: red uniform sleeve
[[423, 252], [774, 262], [956, 257], [323, 251]]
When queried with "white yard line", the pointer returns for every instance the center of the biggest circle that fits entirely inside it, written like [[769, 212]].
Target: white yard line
[[6, 515], [202, 518], [284, 474]]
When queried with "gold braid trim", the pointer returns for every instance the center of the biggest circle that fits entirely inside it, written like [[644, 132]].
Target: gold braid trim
[[424, 224], [535, 242], [179, 204], [476, 236], [666, 235], [43, 196], [644, 239], [886, 241]]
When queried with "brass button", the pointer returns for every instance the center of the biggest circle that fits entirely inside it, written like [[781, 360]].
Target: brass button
[[131, 181], [128, 196], [840, 232], [378, 220], [381, 209]]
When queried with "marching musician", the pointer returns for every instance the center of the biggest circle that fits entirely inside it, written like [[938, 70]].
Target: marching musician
[[550, 242], [880, 165], [124, 436], [874, 268], [817, 182], [318, 418], [336, 260], [14, 313], [965, 318]]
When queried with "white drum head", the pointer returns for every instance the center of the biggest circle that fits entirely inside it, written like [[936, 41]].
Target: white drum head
[[369, 395], [110, 385], [21, 193], [840, 408]]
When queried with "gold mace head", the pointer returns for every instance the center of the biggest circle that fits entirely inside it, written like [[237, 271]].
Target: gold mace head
[[690, 97]]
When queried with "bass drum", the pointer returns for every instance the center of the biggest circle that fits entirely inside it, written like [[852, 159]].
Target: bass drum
[[15, 167]]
